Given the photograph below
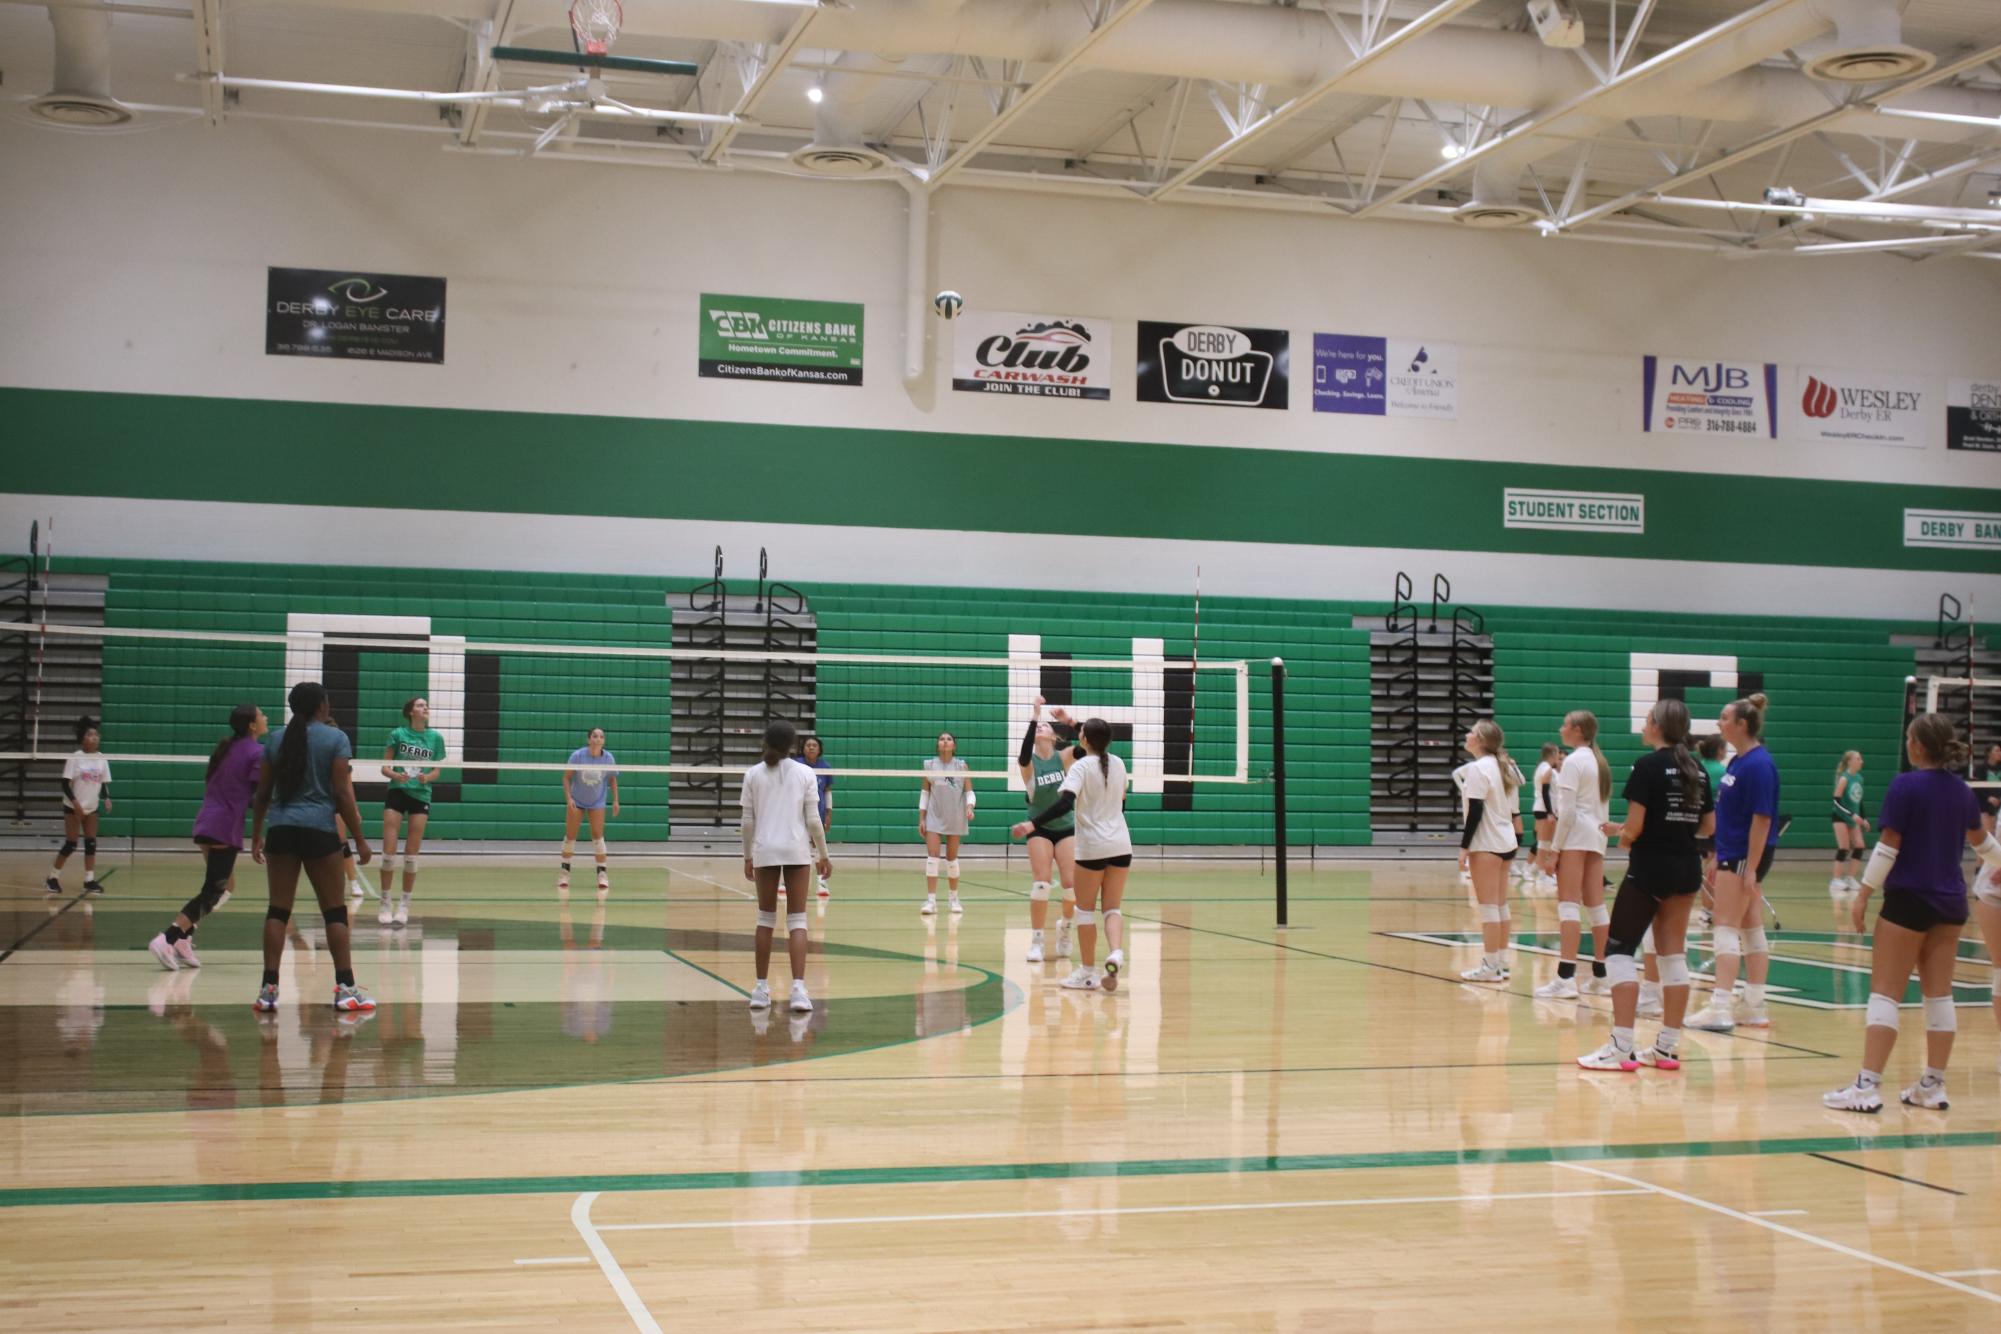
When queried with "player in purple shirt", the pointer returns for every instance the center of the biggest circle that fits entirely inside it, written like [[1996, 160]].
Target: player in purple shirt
[[1928, 817], [233, 769]]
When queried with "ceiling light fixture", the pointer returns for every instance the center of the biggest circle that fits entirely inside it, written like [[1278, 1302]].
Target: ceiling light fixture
[[816, 92]]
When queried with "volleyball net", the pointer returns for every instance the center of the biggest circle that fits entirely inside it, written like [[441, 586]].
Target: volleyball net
[[682, 722]]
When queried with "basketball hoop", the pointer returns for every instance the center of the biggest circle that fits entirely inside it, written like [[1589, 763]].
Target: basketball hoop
[[596, 24]]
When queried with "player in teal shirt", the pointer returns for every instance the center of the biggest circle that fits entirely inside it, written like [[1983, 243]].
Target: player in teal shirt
[[1053, 854], [415, 754]]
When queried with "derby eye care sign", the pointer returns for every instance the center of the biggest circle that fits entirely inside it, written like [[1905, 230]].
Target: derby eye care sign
[[364, 316]]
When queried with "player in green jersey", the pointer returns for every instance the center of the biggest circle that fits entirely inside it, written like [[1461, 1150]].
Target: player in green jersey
[[413, 758], [1042, 767]]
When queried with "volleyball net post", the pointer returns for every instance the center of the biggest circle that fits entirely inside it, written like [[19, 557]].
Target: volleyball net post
[[1278, 784]]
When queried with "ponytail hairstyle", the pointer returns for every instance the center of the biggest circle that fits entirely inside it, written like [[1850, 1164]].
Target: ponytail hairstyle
[[1711, 747], [1751, 713], [289, 771], [1097, 734], [1586, 723], [1552, 754], [1846, 755], [1493, 742], [1670, 719], [240, 719], [1934, 734], [778, 738]]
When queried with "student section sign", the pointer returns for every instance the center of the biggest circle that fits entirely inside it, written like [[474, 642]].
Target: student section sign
[[776, 338]]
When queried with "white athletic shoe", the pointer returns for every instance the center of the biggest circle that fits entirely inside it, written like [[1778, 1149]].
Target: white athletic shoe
[[801, 1002], [1609, 1057], [1656, 1059], [355, 891], [604, 881], [562, 880], [760, 995], [1854, 1098], [1931, 1097], [1712, 1018], [1546, 883], [1034, 951], [1838, 885], [1557, 988], [1753, 1016], [1595, 985], [403, 914], [957, 907], [1486, 972], [1115, 962], [164, 952], [1063, 938], [930, 908], [1081, 979], [387, 915]]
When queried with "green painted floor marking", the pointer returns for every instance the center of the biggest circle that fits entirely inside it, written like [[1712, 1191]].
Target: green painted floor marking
[[446, 1187]]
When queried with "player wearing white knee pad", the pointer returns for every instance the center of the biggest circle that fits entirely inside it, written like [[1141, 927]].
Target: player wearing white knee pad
[[1052, 855], [782, 843], [945, 806], [590, 785]]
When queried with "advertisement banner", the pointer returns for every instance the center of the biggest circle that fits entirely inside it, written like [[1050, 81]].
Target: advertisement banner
[[1952, 529], [1865, 407], [1573, 511], [776, 338], [1038, 356], [1214, 364], [364, 316], [1690, 396], [1973, 415], [1385, 377]]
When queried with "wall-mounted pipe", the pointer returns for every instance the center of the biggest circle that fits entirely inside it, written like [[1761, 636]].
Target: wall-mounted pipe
[[916, 268]]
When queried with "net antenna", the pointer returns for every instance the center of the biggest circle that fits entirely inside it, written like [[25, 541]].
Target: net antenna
[[596, 24]]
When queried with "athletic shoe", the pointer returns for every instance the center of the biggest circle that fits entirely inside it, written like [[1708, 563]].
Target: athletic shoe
[[1081, 979], [184, 950], [387, 916], [1114, 961], [1854, 1098], [1486, 972], [824, 891], [604, 881], [1656, 1059], [1650, 1003], [930, 908], [760, 995], [957, 908], [1595, 986], [1546, 883], [562, 880], [403, 914], [1557, 988], [164, 952], [1035, 951], [1931, 1097], [267, 1000], [1753, 1016], [53, 885], [350, 998], [801, 1002], [1704, 919], [1712, 1018], [355, 891], [1609, 1057], [1838, 885], [1063, 938], [93, 886]]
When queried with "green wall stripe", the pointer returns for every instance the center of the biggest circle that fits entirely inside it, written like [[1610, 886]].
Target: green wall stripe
[[185, 448], [406, 1188]]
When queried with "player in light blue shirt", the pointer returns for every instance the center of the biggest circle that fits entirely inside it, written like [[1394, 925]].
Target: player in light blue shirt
[[590, 783]]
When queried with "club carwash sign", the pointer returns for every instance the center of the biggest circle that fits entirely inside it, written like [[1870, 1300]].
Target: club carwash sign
[[1035, 356], [1574, 511], [1690, 396], [1859, 407]]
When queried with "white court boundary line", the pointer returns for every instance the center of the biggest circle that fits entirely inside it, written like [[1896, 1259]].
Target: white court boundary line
[[717, 883], [1113, 1210], [1866, 1257], [580, 1218]]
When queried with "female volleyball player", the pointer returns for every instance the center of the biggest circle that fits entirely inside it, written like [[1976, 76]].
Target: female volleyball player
[[1668, 807], [1991, 805], [1850, 828], [945, 807], [1544, 807], [814, 756], [409, 795], [308, 780], [86, 784], [781, 837], [1493, 834], [589, 784], [1929, 817], [1051, 858], [1747, 834], [1710, 752], [1582, 789], [234, 767], [1094, 789]]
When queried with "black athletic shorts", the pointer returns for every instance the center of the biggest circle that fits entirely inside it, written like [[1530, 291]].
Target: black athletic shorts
[[1914, 912], [290, 840], [1735, 865], [1100, 863], [399, 800], [1053, 836], [1664, 881], [1705, 845]]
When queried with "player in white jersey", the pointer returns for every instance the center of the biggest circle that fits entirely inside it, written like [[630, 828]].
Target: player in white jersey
[[86, 786], [1095, 790], [1493, 834], [945, 807], [1583, 792], [1544, 809], [782, 841]]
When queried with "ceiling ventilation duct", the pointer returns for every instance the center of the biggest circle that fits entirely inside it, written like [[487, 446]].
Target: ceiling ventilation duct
[[81, 98], [1496, 201], [1866, 46], [837, 149]]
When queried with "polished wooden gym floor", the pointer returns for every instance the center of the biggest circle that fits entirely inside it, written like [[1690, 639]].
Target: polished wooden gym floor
[[566, 1114]]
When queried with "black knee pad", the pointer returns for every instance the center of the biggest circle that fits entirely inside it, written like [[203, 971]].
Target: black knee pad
[[69, 846], [335, 916], [277, 914], [90, 847], [1620, 945], [1841, 854]]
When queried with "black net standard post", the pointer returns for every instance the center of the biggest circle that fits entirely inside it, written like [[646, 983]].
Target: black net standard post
[[1278, 778]]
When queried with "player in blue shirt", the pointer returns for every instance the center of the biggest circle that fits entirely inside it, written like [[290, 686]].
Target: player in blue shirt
[[590, 783], [1747, 833]]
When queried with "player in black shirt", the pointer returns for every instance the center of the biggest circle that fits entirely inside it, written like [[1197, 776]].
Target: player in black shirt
[[1669, 807]]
